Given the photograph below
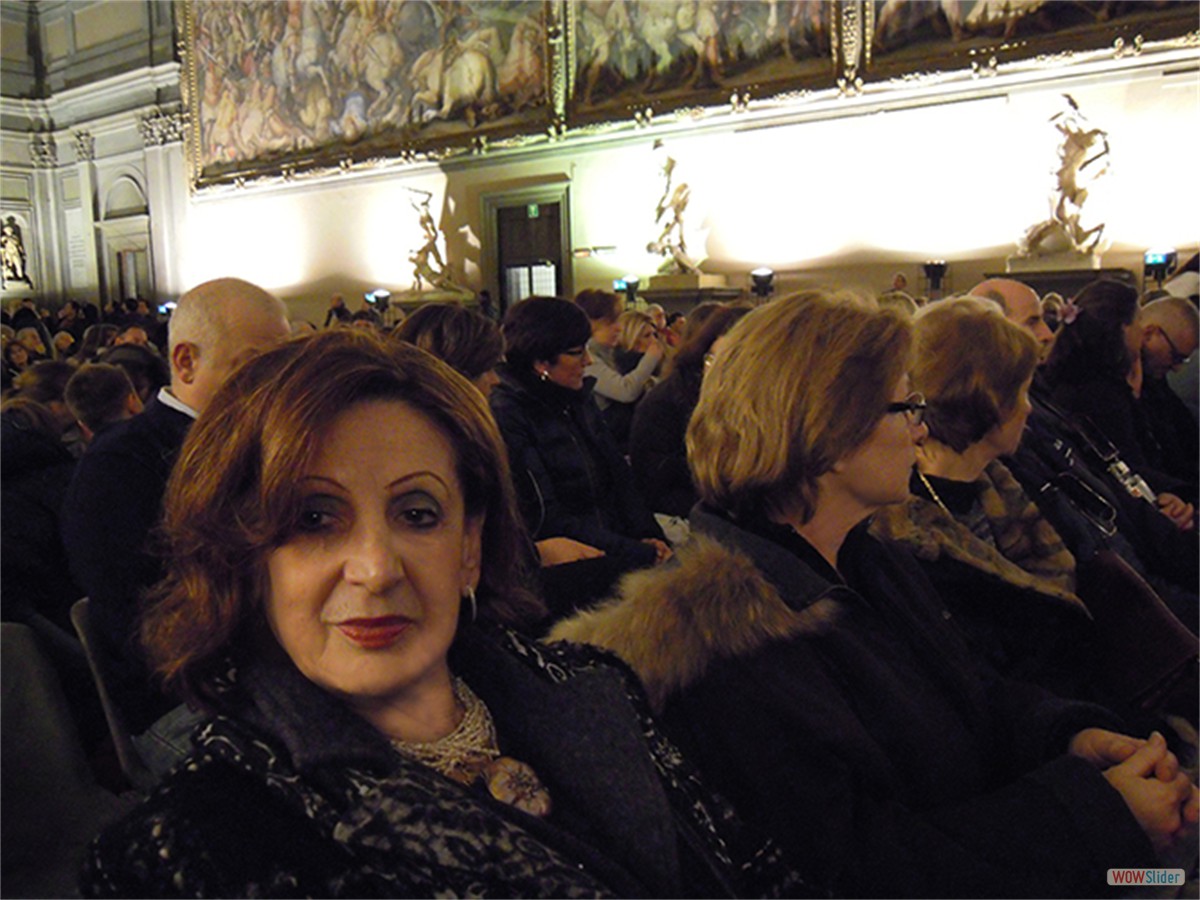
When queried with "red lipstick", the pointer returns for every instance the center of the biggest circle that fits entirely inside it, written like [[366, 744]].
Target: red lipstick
[[374, 634]]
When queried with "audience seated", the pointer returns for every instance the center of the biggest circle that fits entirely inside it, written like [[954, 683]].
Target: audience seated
[[115, 497], [36, 469], [469, 342], [657, 452], [96, 339], [46, 383], [388, 732], [146, 368], [572, 573], [1093, 371], [570, 477], [616, 392], [1081, 484], [1000, 566], [814, 674], [99, 396]]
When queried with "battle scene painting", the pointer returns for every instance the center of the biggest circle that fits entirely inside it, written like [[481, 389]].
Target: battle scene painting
[[627, 55], [306, 82], [944, 35]]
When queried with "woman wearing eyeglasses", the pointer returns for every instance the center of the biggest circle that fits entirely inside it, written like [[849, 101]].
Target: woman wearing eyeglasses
[[570, 477], [814, 673]]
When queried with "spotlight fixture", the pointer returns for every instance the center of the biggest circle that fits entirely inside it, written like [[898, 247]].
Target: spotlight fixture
[[935, 271], [628, 284], [763, 280], [1160, 263], [380, 298]]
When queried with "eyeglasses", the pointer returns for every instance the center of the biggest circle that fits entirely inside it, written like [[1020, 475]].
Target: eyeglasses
[[1177, 358], [913, 406]]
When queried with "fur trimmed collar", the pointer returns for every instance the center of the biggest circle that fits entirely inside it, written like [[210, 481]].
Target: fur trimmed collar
[[669, 624]]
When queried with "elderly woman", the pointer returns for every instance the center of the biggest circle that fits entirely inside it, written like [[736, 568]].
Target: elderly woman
[[571, 479], [339, 595], [1001, 566], [813, 671]]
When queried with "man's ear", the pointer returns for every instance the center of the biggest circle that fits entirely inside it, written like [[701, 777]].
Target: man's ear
[[185, 357]]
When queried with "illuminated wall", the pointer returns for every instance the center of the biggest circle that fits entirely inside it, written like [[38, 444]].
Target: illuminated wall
[[849, 199]]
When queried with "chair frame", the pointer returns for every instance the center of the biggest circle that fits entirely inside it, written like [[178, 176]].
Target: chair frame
[[132, 766]]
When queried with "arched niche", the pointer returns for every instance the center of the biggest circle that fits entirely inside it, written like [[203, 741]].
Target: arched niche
[[124, 234]]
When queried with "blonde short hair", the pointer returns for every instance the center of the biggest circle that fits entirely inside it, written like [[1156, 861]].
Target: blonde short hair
[[800, 384], [631, 322], [970, 363]]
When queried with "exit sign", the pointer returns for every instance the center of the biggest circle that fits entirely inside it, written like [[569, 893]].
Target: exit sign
[[532, 210]]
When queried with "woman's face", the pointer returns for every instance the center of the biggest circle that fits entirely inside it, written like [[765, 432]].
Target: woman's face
[[486, 382], [644, 339], [17, 354], [876, 473], [566, 370], [606, 332], [1006, 437], [364, 595]]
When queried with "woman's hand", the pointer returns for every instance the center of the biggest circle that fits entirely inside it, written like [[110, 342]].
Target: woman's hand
[[558, 550], [1183, 514], [1103, 748], [1162, 799], [662, 551]]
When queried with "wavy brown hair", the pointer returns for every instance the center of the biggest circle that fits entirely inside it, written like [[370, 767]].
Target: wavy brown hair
[[801, 384], [234, 494], [970, 363]]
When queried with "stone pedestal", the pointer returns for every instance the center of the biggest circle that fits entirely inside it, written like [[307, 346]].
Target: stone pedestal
[[1053, 262], [686, 281]]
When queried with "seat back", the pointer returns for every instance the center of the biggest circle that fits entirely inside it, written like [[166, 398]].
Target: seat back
[[131, 763], [52, 804]]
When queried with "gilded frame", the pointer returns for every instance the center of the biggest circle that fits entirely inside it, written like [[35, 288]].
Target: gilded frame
[[919, 37], [276, 89], [628, 59]]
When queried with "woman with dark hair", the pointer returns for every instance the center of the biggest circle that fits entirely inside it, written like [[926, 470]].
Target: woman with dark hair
[[657, 451], [96, 339], [1094, 371], [341, 597], [813, 673], [571, 479], [471, 344]]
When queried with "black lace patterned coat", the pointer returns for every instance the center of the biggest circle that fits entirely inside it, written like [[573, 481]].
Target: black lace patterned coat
[[288, 793]]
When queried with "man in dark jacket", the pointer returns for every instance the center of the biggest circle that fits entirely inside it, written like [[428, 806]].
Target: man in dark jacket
[[115, 498]]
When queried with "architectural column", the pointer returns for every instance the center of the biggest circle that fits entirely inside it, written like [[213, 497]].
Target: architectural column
[[167, 197], [82, 262], [44, 265]]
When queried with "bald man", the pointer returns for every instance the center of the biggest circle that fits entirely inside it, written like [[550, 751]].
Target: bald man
[[115, 497], [1021, 306]]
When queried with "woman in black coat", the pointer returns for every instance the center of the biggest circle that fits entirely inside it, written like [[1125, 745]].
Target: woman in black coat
[[818, 679], [571, 479], [341, 597]]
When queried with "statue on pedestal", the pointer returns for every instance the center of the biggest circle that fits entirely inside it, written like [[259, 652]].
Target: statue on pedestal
[[1083, 157], [12, 252], [428, 266], [669, 215]]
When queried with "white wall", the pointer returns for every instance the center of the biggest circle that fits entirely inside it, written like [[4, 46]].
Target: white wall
[[846, 199]]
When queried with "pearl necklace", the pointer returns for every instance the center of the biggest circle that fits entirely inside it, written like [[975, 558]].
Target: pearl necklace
[[471, 753]]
